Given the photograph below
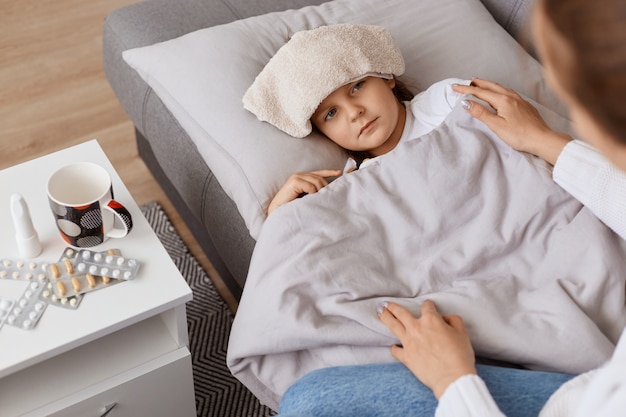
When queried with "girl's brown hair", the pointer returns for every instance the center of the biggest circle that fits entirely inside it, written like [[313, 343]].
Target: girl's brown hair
[[595, 75]]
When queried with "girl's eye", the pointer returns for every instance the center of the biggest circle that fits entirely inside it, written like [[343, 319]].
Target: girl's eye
[[357, 86], [331, 113]]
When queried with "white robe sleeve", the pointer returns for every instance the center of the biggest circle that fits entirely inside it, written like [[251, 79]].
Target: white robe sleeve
[[468, 396], [597, 393], [583, 172], [605, 395]]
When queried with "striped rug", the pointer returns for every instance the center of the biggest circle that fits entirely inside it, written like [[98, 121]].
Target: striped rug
[[218, 393]]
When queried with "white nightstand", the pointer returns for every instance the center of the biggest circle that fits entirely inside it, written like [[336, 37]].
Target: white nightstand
[[124, 345]]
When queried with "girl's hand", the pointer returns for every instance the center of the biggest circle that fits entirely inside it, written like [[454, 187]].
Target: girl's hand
[[299, 183], [516, 122], [435, 348]]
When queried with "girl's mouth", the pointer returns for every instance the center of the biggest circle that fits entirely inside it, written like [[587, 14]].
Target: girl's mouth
[[367, 126]]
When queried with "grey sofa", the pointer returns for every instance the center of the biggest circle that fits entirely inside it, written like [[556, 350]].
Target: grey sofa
[[167, 149]]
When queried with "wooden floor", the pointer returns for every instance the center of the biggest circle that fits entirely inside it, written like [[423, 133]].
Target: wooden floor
[[54, 94]]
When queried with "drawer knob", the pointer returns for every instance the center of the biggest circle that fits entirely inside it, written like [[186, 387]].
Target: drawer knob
[[107, 409]]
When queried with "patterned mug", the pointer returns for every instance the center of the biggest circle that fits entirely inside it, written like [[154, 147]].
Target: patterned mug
[[82, 203]]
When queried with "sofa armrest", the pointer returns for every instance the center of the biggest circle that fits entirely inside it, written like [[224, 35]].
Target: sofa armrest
[[513, 16]]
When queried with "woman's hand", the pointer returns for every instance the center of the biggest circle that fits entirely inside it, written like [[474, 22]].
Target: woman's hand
[[516, 122], [435, 348], [299, 183]]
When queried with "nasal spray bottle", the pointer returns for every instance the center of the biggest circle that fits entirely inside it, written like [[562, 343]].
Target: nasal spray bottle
[[25, 234]]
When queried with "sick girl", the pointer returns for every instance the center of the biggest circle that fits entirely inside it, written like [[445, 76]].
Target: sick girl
[[342, 80]]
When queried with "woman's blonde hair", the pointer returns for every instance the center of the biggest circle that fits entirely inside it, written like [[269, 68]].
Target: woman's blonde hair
[[595, 76]]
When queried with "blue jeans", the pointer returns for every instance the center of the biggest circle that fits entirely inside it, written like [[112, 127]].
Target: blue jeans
[[392, 390]]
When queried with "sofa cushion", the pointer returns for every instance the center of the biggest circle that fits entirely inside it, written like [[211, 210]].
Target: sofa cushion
[[201, 77]]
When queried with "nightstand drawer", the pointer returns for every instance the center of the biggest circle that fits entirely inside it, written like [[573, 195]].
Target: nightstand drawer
[[88, 371], [161, 387]]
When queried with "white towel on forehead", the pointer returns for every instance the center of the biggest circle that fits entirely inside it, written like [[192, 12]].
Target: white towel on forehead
[[313, 64]]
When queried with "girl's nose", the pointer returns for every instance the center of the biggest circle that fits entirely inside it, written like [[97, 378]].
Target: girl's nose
[[355, 111]]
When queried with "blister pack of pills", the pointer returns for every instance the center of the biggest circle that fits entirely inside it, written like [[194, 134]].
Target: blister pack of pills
[[80, 284], [22, 270], [70, 278], [6, 305], [106, 265], [47, 295], [62, 283], [28, 309]]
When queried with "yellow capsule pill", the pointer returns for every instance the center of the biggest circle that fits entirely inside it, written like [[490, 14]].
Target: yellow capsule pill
[[91, 280], [55, 270], [76, 284], [61, 288], [69, 266]]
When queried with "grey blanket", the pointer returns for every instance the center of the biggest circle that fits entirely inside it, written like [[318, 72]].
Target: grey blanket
[[455, 216]]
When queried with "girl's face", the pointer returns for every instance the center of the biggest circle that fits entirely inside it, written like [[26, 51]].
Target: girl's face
[[362, 116]]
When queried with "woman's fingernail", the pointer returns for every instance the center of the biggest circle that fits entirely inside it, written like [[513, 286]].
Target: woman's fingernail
[[382, 307], [466, 104]]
